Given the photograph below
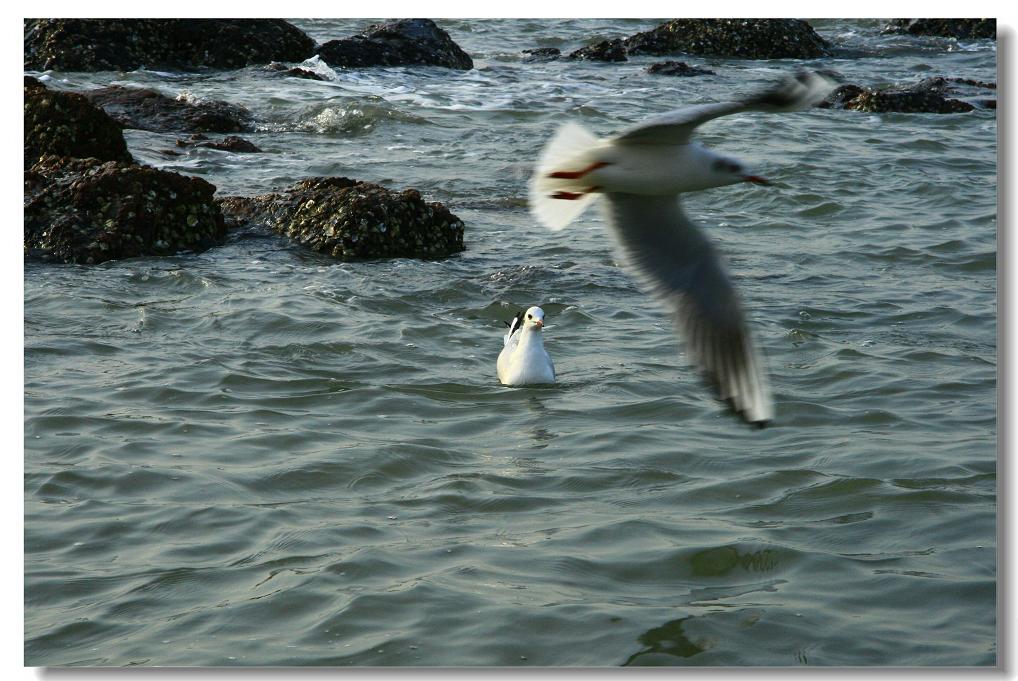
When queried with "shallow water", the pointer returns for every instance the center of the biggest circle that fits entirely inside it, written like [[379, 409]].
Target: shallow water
[[260, 456]]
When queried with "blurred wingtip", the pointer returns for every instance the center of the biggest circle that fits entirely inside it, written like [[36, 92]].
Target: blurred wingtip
[[800, 90]]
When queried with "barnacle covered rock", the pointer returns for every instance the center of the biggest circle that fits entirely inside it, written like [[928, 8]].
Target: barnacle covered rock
[[606, 50], [352, 220], [927, 96], [840, 97], [739, 38], [542, 54], [397, 43], [293, 71], [67, 124], [169, 44], [238, 145], [146, 109], [948, 28], [677, 68], [89, 211]]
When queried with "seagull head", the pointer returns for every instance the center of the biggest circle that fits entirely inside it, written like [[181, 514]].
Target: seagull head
[[534, 319], [727, 171]]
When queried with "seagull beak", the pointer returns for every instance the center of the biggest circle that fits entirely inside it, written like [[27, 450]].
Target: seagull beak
[[538, 323], [756, 179]]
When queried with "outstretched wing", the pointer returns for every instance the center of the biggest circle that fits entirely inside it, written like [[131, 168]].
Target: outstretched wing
[[803, 90], [679, 265]]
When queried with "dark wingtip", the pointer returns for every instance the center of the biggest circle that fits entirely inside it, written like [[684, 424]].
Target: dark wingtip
[[516, 321], [780, 96], [732, 409]]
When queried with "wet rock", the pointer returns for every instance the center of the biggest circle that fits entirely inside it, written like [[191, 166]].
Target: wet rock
[[397, 43], [352, 220], [67, 124], [89, 211], [949, 28], [542, 54], [677, 68], [841, 96], [740, 38], [229, 143], [984, 85], [293, 72], [926, 96], [32, 84], [145, 109], [606, 50], [167, 44]]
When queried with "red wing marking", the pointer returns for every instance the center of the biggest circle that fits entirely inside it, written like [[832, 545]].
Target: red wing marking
[[572, 196], [577, 174]]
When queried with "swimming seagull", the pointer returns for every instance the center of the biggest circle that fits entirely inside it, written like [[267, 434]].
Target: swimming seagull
[[641, 173], [523, 360]]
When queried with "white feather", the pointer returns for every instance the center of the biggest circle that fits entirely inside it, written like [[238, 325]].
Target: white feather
[[568, 149]]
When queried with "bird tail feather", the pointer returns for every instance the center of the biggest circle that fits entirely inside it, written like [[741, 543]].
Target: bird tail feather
[[568, 149]]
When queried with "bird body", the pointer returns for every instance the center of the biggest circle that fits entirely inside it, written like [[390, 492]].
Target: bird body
[[523, 360], [641, 174], [656, 170]]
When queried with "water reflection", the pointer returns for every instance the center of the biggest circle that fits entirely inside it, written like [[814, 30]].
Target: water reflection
[[541, 436], [668, 639]]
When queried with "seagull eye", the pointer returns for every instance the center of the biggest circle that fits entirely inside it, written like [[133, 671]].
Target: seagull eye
[[717, 166], [735, 168], [530, 316]]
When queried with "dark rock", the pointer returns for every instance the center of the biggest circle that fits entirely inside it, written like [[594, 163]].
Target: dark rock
[[67, 124], [233, 143], [542, 54], [974, 83], [33, 83], [985, 103], [606, 50], [169, 44], [349, 219], [397, 43], [89, 211], [294, 72], [303, 73], [741, 38], [677, 68], [145, 109], [926, 96], [841, 96], [230, 143], [949, 28]]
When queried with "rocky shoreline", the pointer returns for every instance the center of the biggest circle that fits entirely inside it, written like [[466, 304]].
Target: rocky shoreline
[[88, 201], [199, 44]]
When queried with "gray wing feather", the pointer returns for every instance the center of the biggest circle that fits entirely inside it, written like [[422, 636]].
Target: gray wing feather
[[679, 265], [676, 127]]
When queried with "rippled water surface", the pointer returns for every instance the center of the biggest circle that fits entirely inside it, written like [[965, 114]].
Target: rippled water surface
[[260, 456]]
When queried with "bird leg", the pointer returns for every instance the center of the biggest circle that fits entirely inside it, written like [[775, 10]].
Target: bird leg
[[577, 174]]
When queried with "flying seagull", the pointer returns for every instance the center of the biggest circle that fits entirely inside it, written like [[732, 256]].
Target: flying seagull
[[641, 173], [523, 360]]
